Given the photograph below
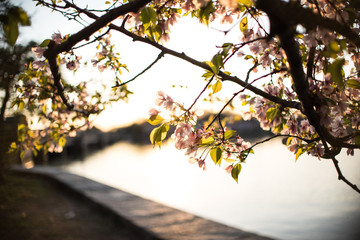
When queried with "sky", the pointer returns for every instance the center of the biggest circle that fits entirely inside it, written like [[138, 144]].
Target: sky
[[188, 36]]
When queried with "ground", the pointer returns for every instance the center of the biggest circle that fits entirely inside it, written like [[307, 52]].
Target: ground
[[33, 208]]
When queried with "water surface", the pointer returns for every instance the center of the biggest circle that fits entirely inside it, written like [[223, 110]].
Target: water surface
[[275, 196]]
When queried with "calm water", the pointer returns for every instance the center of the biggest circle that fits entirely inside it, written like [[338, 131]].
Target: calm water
[[275, 196]]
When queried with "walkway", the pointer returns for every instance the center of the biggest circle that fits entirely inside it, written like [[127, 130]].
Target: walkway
[[151, 220]]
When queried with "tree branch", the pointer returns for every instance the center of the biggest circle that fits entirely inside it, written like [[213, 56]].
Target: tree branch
[[54, 49], [284, 30], [292, 14]]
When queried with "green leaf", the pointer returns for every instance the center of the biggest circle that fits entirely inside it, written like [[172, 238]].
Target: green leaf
[[213, 68], [11, 30], [148, 16], [226, 48], [157, 33], [229, 160], [248, 3], [206, 141], [353, 83], [271, 114], [217, 60], [357, 140], [22, 16], [217, 86], [337, 73], [44, 109], [243, 24], [158, 134], [334, 46], [288, 141], [45, 43], [216, 155], [155, 120], [229, 134], [299, 152], [21, 105], [62, 142], [204, 13], [248, 151], [22, 154], [236, 171]]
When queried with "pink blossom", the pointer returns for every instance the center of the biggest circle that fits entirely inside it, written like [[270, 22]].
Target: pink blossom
[[153, 112], [56, 37], [188, 5], [38, 51], [201, 164], [337, 127], [304, 125], [292, 125], [293, 147], [265, 59], [226, 19], [38, 65], [164, 100], [71, 65], [192, 160], [248, 35], [256, 48], [318, 150], [229, 3], [229, 168], [182, 130]]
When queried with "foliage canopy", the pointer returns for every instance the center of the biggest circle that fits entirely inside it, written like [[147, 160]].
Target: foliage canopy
[[308, 55]]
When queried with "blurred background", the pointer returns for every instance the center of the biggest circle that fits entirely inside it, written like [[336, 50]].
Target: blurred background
[[276, 195]]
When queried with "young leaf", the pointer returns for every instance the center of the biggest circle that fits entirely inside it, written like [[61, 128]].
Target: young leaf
[[155, 120], [22, 16], [236, 171], [352, 83], [45, 43], [216, 155], [271, 114], [217, 60], [62, 142], [217, 86], [243, 24], [158, 134], [337, 73], [299, 152], [248, 3], [206, 141], [148, 16], [11, 30], [213, 67], [229, 134], [288, 141], [229, 160]]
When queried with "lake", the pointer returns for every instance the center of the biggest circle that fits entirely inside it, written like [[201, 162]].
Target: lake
[[275, 196]]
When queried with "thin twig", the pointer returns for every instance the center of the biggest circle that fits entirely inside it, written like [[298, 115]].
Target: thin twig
[[341, 177], [237, 93], [143, 71], [206, 86], [94, 40]]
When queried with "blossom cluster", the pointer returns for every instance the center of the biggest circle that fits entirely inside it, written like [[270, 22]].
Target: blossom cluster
[[197, 141]]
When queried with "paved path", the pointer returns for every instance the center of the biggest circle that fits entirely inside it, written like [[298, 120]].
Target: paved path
[[152, 220]]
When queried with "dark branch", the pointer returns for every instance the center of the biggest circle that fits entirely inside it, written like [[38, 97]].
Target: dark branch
[[292, 14]]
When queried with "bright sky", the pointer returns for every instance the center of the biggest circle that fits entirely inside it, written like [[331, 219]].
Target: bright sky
[[187, 36]]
